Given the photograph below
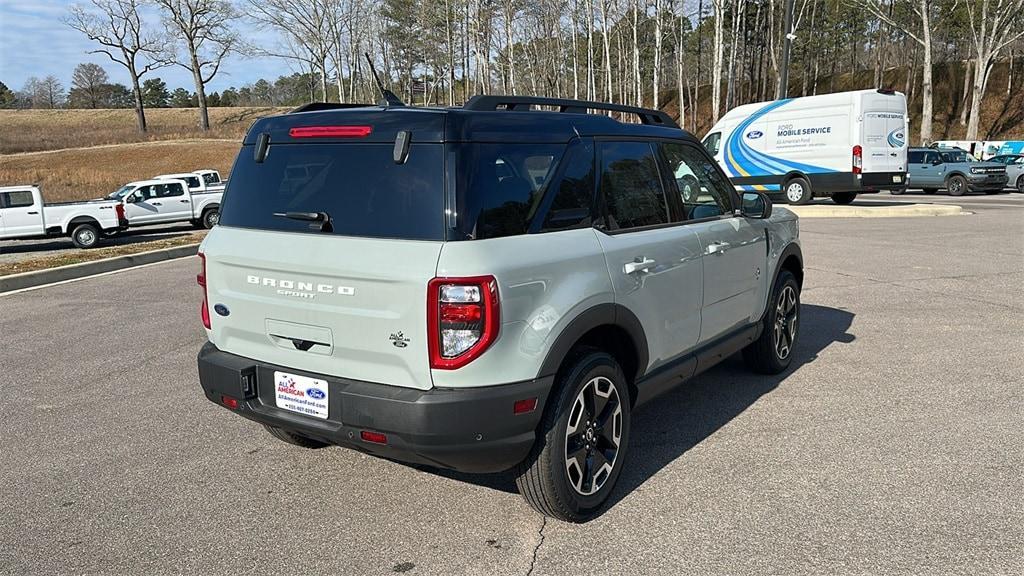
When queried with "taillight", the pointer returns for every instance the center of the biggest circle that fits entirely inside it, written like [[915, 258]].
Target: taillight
[[119, 210], [462, 319], [858, 159], [330, 131], [201, 280]]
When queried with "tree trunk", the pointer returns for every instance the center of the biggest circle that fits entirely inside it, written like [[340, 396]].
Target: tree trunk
[[926, 76], [966, 93], [730, 84], [657, 51], [637, 86], [716, 72], [575, 50], [606, 40], [982, 68]]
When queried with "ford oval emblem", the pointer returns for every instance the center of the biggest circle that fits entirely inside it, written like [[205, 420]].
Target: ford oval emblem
[[315, 393], [754, 134], [221, 309]]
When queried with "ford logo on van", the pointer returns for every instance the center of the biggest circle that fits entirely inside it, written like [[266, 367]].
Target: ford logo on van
[[754, 134], [896, 138], [315, 393]]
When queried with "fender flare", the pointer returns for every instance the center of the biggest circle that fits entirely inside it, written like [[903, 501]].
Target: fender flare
[[81, 219], [607, 314], [793, 249]]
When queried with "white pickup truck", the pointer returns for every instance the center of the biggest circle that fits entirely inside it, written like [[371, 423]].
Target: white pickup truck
[[24, 215], [171, 198]]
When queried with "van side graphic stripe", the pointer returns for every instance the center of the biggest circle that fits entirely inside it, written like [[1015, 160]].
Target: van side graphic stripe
[[742, 160]]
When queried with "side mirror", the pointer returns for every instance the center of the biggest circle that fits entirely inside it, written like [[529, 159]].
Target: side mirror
[[756, 205], [936, 162]]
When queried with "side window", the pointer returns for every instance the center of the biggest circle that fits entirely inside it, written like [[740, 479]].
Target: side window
[[712, 141], [915, 157], [573, 191], [17, 199], [193, 182], [704, 192], [170, 190], [931, 157], [147, 192], [631, 185]]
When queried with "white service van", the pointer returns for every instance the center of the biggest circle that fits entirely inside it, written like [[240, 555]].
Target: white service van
[[836, 145]]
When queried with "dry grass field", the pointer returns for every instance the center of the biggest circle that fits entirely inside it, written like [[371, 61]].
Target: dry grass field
[[36, 130], [81, 154], [83, 173]]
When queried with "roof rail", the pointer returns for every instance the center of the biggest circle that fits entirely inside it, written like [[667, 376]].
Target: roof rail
[[316, 106], [646, 115]]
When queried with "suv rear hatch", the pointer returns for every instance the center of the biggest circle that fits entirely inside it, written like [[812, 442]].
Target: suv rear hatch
[[344, 298]]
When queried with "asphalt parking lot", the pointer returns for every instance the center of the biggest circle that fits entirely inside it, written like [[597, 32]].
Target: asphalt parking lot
[[894, 445]]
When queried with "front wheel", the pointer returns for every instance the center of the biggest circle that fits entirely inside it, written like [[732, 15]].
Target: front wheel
[[1020, 184], [85, 236], [581, 445], [844, 198], [211, 218], [956, 185], [798, 191], [772, 352]]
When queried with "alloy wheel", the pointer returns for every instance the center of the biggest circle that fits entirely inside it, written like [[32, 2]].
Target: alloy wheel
[[592, 436], [785, 322]]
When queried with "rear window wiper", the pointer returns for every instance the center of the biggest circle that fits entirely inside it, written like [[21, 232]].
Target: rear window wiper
[[317, 220]]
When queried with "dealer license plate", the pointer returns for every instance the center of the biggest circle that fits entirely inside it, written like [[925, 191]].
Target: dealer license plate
[[897, 179], [301, 394]]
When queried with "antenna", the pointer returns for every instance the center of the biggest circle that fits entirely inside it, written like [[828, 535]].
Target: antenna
[[388, 97]]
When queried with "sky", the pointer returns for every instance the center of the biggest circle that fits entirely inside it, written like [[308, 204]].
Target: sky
[[34, 41]]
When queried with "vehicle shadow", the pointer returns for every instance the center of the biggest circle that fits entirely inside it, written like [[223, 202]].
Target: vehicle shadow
[[127, 237], [664, 430]]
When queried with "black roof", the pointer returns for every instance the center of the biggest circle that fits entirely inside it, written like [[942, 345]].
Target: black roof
[[481, 119]]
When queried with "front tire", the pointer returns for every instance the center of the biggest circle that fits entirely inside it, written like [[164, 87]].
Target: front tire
[[772, 352], [85, 236], [581, 444], [211, 218], [956, 185], [844, 198], [798, 191]]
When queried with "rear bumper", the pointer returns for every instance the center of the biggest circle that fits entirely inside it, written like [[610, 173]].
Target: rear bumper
[[470, 430], [873, 181]]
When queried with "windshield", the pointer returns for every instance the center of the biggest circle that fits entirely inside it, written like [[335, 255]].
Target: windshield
[[120, 193]]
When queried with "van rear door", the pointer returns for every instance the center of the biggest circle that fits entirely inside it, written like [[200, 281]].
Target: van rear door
[[323, 254], [883, 133]]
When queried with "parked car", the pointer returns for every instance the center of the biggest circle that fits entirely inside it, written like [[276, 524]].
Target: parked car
[[1014, 170], [24, 215], [830, 145], [486, 288], [211, 177], [161, 201], [955, 170]]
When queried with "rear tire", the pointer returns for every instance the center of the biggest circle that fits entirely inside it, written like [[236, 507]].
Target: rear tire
[[956, 185], [581, 443], [772, 352], [844, 198], [85, 236], [294, 438], [798, 191], [211, 217]]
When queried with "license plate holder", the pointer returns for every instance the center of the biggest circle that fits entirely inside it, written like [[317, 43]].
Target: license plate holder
[[897, 179], [301, 394]]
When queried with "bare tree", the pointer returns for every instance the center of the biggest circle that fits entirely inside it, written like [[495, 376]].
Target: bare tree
[[995, 24], [116, 26], [88, 84], [45, 93], [918, 25], [306, 24], [204, 28]]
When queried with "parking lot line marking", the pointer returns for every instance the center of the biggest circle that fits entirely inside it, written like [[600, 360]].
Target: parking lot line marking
[[30, 288]]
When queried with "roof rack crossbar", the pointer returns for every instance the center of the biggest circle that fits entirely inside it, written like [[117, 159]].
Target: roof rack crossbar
[[522, 103], [316, 106]]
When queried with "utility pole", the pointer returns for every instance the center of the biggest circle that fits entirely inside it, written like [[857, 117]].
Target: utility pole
[[787, 47]]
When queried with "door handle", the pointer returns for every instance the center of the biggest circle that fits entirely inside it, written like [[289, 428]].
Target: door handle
[[33, 212], [640, 264], [717, 247], [183, 201], [156, 204]]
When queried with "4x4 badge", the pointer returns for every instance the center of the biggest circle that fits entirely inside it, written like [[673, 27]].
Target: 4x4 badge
[[399, 340]]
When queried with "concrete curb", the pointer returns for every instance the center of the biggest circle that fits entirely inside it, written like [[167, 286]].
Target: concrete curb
[[83, 269], [896, 211]]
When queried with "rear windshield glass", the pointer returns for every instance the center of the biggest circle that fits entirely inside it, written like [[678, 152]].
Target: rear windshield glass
[[499, 187], [358, 185]]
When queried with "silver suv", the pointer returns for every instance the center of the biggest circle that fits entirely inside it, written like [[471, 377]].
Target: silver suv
[[486, 288]]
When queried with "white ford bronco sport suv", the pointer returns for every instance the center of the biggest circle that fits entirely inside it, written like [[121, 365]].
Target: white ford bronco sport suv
[[486, 288]]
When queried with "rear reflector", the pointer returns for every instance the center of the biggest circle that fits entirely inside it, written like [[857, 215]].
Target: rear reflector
[[230, 402], [330, 131], [374, 437], [204, 311], [524, 406]]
